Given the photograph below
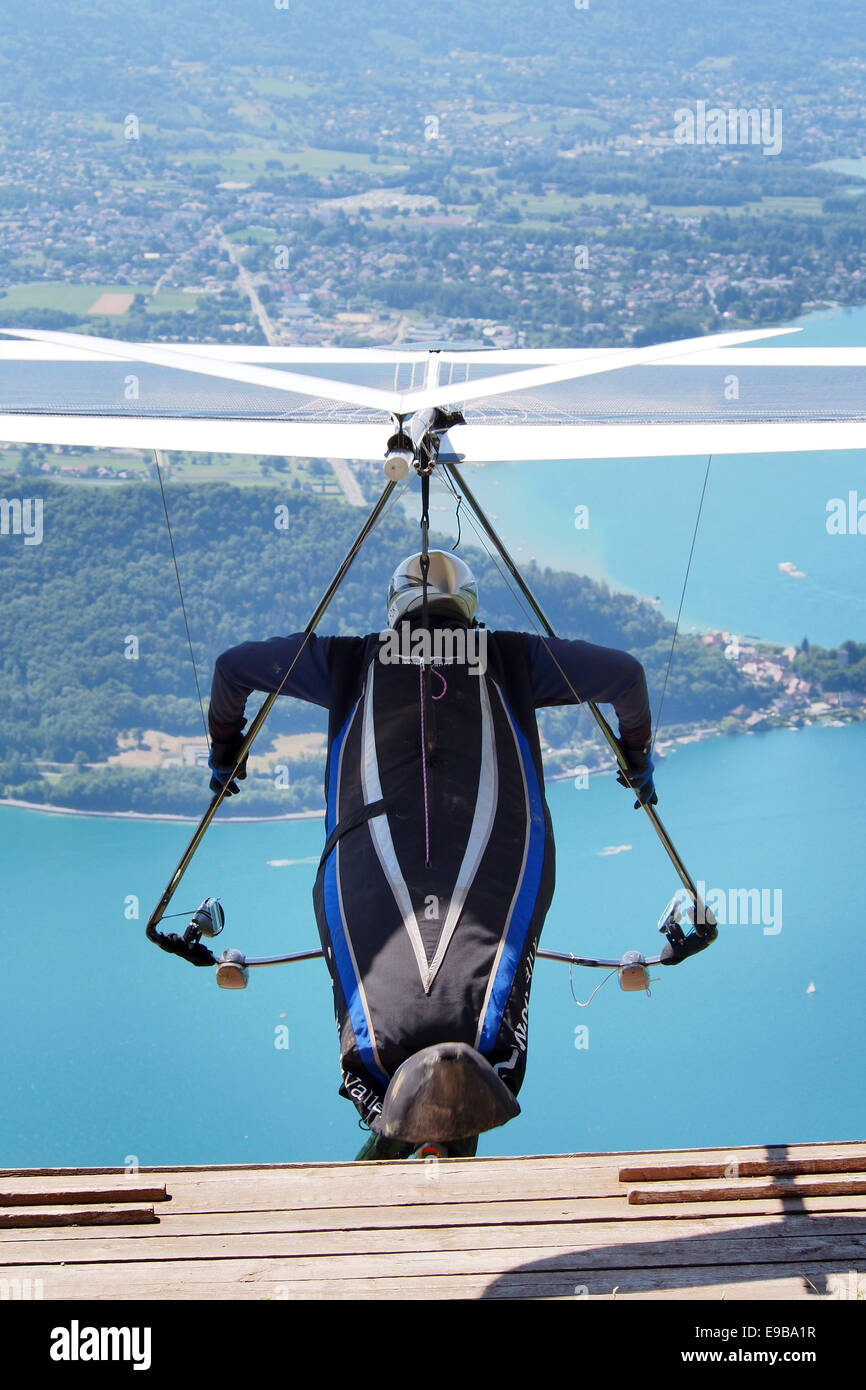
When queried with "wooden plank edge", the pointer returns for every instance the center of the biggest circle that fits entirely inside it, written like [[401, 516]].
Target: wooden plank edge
[[66, 1197], [77, 1216], [722, 1215], [734, 1191], [747, 1168], [803, 1279], [597, 1156]]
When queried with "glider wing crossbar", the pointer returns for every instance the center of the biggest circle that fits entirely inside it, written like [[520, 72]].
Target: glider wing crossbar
[[395, 403]]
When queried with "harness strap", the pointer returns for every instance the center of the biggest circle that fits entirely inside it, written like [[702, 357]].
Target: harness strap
[[364, 813]]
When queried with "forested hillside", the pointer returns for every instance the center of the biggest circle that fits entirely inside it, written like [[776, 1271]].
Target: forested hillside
[[93, 643]]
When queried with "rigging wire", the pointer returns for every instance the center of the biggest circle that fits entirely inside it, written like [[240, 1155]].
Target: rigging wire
[[682, 599], [616, 744], [533, 619], [156, 455], [527, 612], [446, 482], [393, 499], [585, 1003]]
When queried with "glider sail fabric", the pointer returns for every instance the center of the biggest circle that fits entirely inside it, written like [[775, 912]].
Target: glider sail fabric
[[721, 394]]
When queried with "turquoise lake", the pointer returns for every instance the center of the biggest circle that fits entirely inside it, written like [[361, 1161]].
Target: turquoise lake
[[115, 1051]]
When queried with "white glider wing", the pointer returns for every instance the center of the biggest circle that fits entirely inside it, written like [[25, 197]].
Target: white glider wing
[[714, 394]]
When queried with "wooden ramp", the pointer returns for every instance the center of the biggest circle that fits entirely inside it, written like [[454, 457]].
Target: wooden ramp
[[747, 1223]]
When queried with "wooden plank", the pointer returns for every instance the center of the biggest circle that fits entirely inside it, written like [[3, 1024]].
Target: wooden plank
[[639, 1242], [747, 1168], [604, 1162], [376, 1204], [391, 1184], [76, 1216], [557, 1227], [620, 1286], [64, 1197], [784, 1187], [266, 1279], [587, 1212], [453, 1182], [256, 1195], [624, 1287]]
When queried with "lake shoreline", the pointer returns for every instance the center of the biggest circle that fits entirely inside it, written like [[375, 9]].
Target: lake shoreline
[[156, 815], [697, 734]]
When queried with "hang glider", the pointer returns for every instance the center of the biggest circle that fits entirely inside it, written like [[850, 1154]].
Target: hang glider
[[717, 394]]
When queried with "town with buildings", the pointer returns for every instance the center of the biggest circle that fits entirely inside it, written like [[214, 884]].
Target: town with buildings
[[283, 209]]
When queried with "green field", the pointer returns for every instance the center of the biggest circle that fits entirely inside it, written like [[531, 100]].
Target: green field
[[247, 164], [318, 161], [803, 207], [71, 299], [277, 87], [696, 210], [547, 205], [854, 168], [243, 470], [78, 299], [172, 302], [247, 234]]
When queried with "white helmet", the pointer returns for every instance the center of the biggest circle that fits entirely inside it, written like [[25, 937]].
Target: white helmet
[[449, 580]]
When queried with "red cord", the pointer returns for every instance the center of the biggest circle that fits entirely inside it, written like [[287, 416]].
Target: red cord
[[424, 771]]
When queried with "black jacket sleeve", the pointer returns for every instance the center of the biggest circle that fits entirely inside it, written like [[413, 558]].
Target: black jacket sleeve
[[568, 673], [263, 666]]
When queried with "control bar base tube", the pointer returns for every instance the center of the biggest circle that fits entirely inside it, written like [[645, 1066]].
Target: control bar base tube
[[565, 956]]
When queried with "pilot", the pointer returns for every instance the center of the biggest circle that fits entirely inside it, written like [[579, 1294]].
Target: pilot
[[438, 865]]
